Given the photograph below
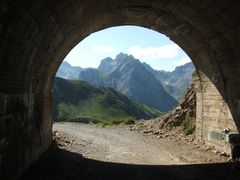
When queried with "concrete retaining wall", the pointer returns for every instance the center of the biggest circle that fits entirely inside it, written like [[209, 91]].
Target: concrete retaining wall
[[212, 113]]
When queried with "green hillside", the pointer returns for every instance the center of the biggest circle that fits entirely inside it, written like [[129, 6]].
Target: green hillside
[[79, 101]]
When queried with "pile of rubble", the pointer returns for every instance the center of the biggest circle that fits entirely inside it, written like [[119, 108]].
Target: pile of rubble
[[184, 112], [149, 128], [61, 140], [171, 125]]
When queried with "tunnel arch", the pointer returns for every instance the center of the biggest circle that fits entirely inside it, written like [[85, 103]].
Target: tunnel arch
[[192, 35], [37, 35]]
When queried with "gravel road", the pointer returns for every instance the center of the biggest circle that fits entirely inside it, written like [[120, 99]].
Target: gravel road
[[85, 152], [123, 146]]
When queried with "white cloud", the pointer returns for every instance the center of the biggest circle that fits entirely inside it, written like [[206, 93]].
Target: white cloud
[[155, 53], [103, 48], [184, 60]]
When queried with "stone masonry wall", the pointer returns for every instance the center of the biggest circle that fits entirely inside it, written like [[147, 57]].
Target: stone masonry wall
[[37, 35], [212, 113], [23, 136]]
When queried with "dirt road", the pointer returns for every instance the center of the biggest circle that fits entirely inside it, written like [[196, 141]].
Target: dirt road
[[123, 146], [87, 152]]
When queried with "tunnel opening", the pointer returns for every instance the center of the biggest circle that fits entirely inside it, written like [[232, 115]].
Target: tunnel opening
[[208, 128], [34, 44], [123, 77], [117, 67]]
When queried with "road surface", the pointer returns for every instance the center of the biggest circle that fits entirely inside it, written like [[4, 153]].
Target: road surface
[[87, 152]]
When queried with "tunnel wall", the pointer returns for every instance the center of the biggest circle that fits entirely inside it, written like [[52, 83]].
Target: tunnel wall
[[36, 35], [23, 136], [212, 113]]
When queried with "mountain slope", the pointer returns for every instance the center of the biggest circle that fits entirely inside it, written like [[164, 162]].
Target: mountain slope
[[79, 101], [175, 82], [128, 76]]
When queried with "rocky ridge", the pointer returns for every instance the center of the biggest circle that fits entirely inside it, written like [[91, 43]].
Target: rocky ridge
[[175, 82]]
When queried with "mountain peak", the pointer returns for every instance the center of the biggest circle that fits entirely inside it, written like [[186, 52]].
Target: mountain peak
[[65, 63], [108, 65], [107, 60], [121, 56], [67, 71]]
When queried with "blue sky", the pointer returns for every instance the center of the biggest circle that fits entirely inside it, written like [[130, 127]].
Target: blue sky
[[144, 44]]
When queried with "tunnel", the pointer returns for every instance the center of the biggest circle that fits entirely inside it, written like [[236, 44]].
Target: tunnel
[[36, 35]]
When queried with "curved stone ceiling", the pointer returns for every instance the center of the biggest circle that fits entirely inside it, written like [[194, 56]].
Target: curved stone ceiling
[[36, 36]]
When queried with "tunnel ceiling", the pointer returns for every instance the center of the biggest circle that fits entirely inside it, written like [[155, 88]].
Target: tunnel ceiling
[[36, 35]]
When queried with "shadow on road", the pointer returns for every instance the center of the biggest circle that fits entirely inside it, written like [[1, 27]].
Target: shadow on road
[[58, 164]]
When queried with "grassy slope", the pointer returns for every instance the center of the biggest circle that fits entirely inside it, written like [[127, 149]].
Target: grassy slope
[[79, 101]]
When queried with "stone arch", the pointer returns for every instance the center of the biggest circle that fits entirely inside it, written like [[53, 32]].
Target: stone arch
[[37, 35]]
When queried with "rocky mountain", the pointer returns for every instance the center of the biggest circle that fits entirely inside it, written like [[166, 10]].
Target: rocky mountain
[[79, 101], [113, 73], [130, 77], [175, 82], [67, 71]]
